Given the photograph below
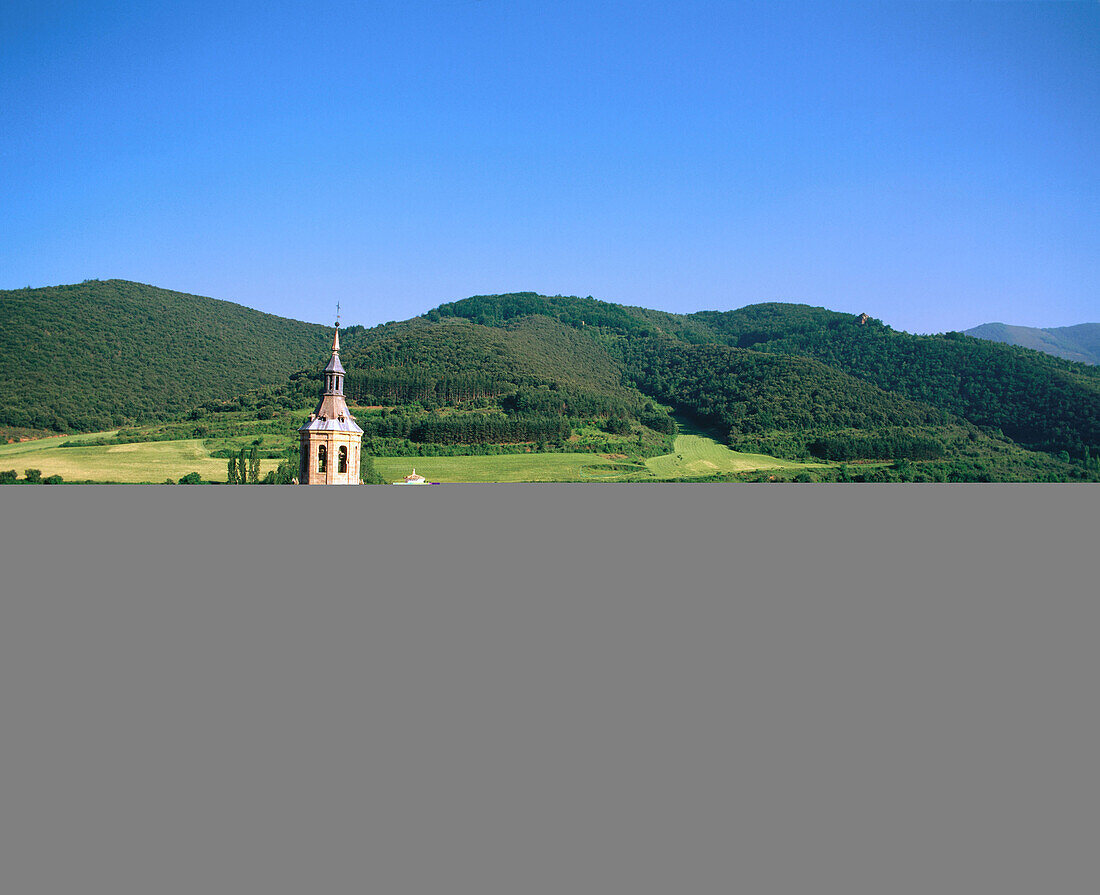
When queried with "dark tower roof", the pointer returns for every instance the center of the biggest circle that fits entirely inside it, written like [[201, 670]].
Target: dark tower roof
[[332, 413], [334, 365]]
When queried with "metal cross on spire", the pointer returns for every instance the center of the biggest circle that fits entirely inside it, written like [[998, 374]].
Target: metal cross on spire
[[337, 314]]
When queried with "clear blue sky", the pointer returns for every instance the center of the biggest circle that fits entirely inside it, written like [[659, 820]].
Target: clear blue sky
[[936, 164]]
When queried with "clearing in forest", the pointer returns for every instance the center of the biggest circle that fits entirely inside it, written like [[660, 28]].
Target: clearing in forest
[[696, 455]]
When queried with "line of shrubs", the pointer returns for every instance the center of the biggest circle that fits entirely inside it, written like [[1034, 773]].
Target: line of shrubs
[[31, 477], [35, 477]]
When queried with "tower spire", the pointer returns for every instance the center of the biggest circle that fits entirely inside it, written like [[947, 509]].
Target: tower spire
[[330, 438]]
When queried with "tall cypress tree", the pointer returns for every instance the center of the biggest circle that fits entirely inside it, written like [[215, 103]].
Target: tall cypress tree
[[234, 479], [254, 464]]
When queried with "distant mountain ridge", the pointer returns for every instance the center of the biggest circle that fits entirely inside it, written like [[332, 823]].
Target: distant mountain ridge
[[1079, 343]]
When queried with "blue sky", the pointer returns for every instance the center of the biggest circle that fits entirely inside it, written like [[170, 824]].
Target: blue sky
[[936, 164]]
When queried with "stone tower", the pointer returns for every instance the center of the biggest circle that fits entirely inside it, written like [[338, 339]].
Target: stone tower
[[330, 438]]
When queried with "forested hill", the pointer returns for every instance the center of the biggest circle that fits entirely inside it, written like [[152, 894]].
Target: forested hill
[[101, 353], [780, 378], [1037, 400], [1079, 343], [453, 359]]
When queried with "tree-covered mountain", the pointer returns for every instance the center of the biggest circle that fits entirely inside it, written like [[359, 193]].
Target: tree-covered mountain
[[104, 353], [1079, 343], [1036, 400]]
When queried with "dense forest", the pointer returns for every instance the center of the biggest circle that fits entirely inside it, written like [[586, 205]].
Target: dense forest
[[106, 353], [1039, 401], [535, 378], [750, 391]]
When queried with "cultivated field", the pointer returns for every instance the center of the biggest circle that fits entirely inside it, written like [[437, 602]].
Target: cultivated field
[[151, 461], [694, 456], [506, 468]]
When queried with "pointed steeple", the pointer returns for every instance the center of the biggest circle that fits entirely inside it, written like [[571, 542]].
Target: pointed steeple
[[330, 438], [334, 372], [333, 410]]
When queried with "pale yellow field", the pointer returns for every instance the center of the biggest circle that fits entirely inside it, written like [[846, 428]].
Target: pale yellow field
[[152, 461]]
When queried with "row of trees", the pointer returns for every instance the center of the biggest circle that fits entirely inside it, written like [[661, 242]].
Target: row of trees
[[480, 428], [31, 477], [244, 471], [466, 428], [566, 402], [416, 386], [881, 447]]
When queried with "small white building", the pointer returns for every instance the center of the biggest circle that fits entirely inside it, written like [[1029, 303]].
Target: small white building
[[413, 479]]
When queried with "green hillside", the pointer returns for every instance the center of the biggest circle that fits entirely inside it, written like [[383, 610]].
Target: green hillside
[[1036, 400], [107, 353], [753, 395], [495, 376], [593, 365], [454, 359]]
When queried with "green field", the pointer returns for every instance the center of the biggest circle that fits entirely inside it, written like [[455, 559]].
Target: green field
[[507, 468], [694, 456], [151, 461]]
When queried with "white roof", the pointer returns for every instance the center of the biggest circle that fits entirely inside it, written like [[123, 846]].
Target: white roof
[[347, 424]]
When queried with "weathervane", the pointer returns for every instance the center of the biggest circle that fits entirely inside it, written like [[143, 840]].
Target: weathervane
[[337, 314]]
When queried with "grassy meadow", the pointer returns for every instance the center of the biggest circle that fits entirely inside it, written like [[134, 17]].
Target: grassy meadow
[[152, 461], [695, 456], [507, 468]]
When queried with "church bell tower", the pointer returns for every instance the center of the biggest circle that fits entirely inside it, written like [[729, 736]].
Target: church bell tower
[[330, 438]]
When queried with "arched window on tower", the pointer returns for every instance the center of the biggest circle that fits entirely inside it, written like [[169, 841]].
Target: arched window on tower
[[343, 466], [322, 458]]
